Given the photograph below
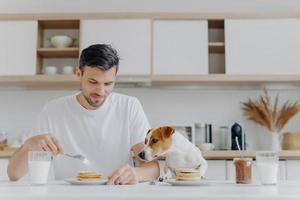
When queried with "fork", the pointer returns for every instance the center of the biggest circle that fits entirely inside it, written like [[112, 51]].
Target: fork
[[78, 156]]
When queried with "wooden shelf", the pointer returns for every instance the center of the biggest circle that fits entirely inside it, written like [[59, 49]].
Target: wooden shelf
[[63, 81], [224, 79], [72, 52], [60, 24], [216, 47]]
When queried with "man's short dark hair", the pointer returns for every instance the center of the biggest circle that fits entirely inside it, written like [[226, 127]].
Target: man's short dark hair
[[102, 56]]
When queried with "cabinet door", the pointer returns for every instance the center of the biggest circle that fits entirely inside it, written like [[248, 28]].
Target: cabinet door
[[216, 170], [262, 46], [255, 174], [131, 38], [3, 169], [180, 47], [18, 41], [292, 170]]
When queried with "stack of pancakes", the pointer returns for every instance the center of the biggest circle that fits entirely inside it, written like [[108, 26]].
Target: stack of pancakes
[[187, 175], [88, 176]]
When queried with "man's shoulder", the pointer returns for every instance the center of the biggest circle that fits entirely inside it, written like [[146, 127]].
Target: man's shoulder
[[123, 98], [58, 102]]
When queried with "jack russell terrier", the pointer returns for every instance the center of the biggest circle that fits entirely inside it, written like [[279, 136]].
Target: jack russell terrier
[[178, 151]]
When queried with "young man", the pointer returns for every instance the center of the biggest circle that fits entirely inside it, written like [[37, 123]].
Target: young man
[[96, 123]]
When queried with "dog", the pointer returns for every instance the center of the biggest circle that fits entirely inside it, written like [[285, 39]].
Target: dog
[[178, 151]]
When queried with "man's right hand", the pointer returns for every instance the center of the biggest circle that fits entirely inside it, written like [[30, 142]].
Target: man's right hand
[[46, 142]]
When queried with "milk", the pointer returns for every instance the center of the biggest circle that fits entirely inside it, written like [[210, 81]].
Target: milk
[[268, 172], [38, 171]]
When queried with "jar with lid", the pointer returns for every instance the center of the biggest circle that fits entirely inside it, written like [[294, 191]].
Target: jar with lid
[[200, 132]]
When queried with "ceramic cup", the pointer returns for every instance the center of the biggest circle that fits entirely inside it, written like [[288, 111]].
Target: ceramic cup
[[68, 70], [50, 70]]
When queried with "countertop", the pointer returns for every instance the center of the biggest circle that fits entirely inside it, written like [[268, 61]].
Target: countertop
[[209, 155], [211, 190]]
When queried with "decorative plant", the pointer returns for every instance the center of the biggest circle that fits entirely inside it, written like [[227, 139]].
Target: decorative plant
[[267, 115]]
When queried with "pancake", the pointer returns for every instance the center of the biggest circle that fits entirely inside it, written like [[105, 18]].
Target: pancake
[[88, 176], [188, 175]]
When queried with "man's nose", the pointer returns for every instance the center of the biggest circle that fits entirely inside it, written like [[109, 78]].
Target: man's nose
[[142, 155]]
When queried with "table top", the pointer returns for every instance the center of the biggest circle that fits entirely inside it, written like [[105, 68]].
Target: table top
[[212, 190]]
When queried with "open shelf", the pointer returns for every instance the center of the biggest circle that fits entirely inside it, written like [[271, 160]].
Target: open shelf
[[216, 47], [71, 52], [224, 79]]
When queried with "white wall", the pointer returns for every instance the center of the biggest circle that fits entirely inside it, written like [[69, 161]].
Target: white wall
[[18, 108], [238, 6]]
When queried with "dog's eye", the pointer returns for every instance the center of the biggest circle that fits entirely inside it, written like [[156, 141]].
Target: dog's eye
[[146, 141], [154, 140]]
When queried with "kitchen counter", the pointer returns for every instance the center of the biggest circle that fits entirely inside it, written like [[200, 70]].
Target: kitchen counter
[[209, 155], [229, 155], [212, 190]]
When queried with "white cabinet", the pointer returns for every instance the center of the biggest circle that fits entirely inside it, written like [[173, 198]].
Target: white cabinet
[[216, 170], [18, 41], [292, 169], [230, 168], [131, 38], [3, 169], [180, 47], [269, 46]]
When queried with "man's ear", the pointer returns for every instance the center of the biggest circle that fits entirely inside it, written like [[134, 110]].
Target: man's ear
[[78, 73], [167, 131]]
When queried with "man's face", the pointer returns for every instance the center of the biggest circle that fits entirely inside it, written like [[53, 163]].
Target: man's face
[[96, 84]]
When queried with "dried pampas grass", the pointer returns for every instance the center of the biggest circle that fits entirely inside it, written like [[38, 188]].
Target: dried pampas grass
[[267, 115]]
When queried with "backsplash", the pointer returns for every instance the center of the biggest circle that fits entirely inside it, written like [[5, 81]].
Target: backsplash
[[218, 107]]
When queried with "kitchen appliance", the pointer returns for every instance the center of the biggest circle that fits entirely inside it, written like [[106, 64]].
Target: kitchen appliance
[[238, 131]]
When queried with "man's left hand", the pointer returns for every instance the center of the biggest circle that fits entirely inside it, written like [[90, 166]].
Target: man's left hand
[[124, 175]]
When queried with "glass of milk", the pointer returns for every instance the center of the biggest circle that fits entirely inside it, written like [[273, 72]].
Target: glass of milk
[[39, 163], [267, 165]]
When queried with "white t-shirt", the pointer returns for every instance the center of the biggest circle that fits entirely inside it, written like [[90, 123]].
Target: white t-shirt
[[105, 136]]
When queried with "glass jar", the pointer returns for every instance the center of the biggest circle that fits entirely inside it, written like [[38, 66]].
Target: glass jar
[[200, 133], [223, 138]]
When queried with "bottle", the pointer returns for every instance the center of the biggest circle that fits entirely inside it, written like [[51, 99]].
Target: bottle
[[208, 135]]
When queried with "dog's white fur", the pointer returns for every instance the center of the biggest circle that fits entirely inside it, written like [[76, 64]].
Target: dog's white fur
[[181, 154]]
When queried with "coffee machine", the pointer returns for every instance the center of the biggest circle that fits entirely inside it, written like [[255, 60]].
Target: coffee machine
[[237, 131]]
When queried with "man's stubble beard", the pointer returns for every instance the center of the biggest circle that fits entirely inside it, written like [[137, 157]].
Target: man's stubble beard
[[89, 100]]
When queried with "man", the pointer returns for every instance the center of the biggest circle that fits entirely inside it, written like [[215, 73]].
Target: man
[[101, 125]]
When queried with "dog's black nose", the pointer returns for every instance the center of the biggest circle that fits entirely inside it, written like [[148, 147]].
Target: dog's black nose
[[142, 154]]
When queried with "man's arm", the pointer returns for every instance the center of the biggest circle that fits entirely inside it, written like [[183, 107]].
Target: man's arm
[[18, 166], [147, 171]]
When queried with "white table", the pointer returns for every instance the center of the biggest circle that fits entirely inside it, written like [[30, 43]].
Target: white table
[[214, 190]]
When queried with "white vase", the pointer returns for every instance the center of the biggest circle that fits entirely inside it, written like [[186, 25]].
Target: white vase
[[275, 141]]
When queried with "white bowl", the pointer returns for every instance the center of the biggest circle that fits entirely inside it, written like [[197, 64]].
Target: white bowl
[[61, 41]]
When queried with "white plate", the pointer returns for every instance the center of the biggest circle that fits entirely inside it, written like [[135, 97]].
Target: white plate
[[186, 183], [76, 182]]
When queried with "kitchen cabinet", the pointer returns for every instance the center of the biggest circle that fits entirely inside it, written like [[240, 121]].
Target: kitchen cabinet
[[216, 170], [262, 46], [292, 169], [155, 48], [180, 47], [3, 169], [18, 51], [130, 37]]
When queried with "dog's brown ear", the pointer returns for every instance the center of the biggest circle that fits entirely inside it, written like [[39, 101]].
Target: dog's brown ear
[[167, 131]]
